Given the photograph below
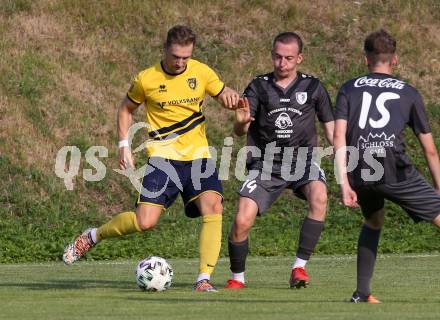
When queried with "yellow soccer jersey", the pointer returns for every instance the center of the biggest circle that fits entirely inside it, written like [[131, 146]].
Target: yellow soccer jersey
[[174, 109]]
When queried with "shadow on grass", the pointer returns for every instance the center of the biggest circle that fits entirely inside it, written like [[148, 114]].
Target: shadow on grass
[[200, 298], [213, 297], [81, 284], [70, 284]]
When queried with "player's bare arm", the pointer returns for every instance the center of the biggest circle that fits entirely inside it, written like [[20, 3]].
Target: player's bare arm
[[349, 197], [329, 128], [228, 98], [243, 117], [125, 116], [431, 155]]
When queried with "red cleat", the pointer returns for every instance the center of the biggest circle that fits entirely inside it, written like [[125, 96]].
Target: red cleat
[[299, 278], [234, 284]]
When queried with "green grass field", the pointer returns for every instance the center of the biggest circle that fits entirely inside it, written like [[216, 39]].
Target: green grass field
[[408, 286], [65, 66]]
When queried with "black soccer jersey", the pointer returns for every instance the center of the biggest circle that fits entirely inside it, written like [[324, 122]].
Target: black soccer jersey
[[377, 108], [286, 116]]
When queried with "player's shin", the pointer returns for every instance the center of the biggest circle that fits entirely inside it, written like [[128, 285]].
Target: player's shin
[[366, 258], [310, 233], [122, 224], [210, 243], [238, 252]]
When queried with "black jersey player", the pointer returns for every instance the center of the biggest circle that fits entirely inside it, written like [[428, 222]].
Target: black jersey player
[[279, 118], [371, 114]]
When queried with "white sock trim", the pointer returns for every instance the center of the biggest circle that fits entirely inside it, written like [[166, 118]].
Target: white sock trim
[[299, 263], [203, 276], [93, 235], [238, 276]]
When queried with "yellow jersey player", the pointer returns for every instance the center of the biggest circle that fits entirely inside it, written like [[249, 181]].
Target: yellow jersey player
[[172, 92]]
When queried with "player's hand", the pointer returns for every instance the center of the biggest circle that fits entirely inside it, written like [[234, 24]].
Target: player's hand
[[243, 113], [229, 98], [125, 158], [349, 197]]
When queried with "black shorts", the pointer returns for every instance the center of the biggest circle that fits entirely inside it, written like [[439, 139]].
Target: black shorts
[[164, 179], [266, 191], [415, 195]]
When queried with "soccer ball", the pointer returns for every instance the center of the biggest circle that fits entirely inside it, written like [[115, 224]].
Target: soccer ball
[[154, 274]]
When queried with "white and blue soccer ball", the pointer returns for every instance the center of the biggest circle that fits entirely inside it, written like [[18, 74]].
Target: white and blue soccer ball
[[154, 274]]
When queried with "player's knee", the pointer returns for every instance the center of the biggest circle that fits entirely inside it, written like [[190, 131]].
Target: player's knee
[[242, 224], [321, 199], [211, 207], [145, 224], [319, 202], [145, 221], [376, 221], [375, 224], [217, 207]]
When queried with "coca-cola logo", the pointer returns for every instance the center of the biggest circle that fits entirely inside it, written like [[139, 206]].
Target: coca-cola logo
[[380, 83]]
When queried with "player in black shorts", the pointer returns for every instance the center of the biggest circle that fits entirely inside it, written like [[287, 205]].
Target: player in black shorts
[[372, 112], [279, 114]]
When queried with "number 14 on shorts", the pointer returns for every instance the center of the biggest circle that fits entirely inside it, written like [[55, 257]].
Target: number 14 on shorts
[[250, 184]]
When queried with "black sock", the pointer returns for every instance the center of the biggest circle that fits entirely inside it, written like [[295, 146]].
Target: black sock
[[308, 237], [238, 252], [366, 258]]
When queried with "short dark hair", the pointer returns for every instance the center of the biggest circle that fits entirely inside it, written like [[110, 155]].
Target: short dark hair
[[379, 46], [288, 37], [181, 35]]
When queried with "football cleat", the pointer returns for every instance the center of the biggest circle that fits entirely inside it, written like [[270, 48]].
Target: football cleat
[[234, 284], [358, 298], [82, 244], [299, 278], [204, 286]]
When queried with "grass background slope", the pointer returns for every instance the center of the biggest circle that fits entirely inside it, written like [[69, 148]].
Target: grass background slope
[[66, 65]]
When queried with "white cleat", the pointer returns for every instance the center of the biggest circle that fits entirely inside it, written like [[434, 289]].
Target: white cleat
[[82, 244]]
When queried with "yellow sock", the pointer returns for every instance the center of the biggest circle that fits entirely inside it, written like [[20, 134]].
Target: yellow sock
[[210, 242], [124, 223]]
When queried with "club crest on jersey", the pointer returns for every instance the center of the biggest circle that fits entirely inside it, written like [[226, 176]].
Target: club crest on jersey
[[283, 121], [162, 88], [301, 97], [192, 83]]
